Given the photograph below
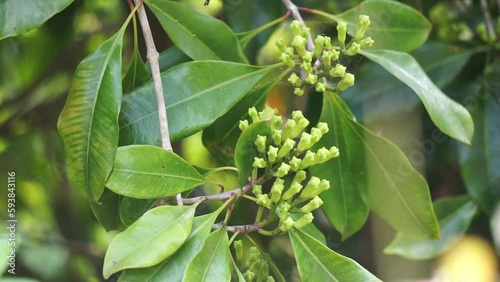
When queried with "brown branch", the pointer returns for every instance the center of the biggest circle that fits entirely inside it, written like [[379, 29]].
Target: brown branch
[[296, 15], [221, 196]]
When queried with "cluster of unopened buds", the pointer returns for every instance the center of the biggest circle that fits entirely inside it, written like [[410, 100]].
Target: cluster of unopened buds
[[257, 267], [321, 65], [289, 155]]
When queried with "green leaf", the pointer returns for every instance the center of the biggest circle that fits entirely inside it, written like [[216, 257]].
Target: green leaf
[[441, 62], [212, 263], [200, 36], [196, 94], [148, 172], [132, 209], [390, 186], [221, 137], [276, 271], [173, 268], [455, 215], [106, 210], [151, 239], [137, 73], [239, 275], [480, 162], [245, 37], [393, 25], [316, 262], [88, 124], [246, 150], [170, 58], [19, 16], [342, 203], [449, 116]]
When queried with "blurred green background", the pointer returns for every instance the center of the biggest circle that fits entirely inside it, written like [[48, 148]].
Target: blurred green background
[[59, 239]]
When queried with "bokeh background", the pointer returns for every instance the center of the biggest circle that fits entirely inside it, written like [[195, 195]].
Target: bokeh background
[[60, 240]]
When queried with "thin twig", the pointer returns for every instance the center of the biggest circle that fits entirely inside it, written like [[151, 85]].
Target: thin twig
[[239, 228], [221, 196], [152, 56], [296, 15], [490, 29]]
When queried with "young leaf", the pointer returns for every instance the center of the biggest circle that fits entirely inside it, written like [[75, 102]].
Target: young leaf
[[246, 151], [200, 36], [106, 210], [88, 124], [132, 209], [388, 183], [196, 94], [449, 116], [316, 262], [455, 215], [151, 239], [149, 172], [173, 268], [393, 25], [212, 263], [342, 203], [19, 16]]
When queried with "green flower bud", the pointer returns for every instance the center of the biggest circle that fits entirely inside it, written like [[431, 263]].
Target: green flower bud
[[290, 52], [249, 275], [295, 80], [257, 189], [286, 148], [287, 224], [295, 163], [311, 79], [280, 44], [322, 155], [305, 142], [354, 49], [328, 43], [282, 210], [299, 176], [315, 135], [293, 190], [272, 154], [323, 126], [283, 170], [363, 23], [307, 57], [263, 200], [337, 71], [315, 203], [277, 190], [297, 115], [306, 32], [276, 122], [334, 152], [277, 137], [314, 188], [260, 143], [243, 125], [346, 82], [308, 160], [287, 60], [327, 58], [298, 91], [287, 131], [259, 163], [367, 42], [299, 43], [335, 55], [238, 249], [299, 127], [320, 87], [307, 67], [304, 220], [270, 279], [263, 270], [296, 27], [342, 32], [319, 43], [252, 112]]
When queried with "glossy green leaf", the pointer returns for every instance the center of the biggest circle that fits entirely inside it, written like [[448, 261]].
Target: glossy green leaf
[[480, 162], [151, 239], [441, 62], [106, 210], [342, 203], [246, 150], [132, 209], [212, 263], [455, 215], [245, 37], [390, 186], [449, 116], [88, 124], [276, 271], [170, 58], [137, 73], [19, 16], [221, 137], [173, 269], [200, 36], [149, 172], [316, 262], [394, 25], [196, 94]]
